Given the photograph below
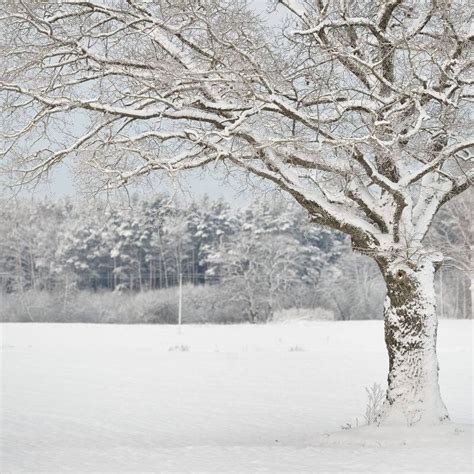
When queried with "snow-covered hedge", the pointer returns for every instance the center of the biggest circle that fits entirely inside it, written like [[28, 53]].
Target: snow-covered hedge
[[201, 304]]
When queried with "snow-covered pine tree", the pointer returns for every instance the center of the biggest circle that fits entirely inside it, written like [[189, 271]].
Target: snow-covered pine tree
[[207, 221], [82, 253], [359, 110]]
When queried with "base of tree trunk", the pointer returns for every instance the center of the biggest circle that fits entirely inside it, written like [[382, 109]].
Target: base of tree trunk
[[416, 412]]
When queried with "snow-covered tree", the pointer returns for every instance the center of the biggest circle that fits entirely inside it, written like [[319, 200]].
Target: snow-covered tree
[[17, 261], [83, 250], [153, 214], [259, 271], [352, 288], [28, 241], [358, 110], [258, 263], [453, 233], [207, 222], [274, 258]]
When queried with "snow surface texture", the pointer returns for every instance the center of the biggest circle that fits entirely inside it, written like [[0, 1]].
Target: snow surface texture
[[271, 398]]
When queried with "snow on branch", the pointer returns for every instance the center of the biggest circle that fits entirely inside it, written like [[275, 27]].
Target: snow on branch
[[350, 107]]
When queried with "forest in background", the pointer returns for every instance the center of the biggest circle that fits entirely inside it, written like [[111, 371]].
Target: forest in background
[[83, 262]]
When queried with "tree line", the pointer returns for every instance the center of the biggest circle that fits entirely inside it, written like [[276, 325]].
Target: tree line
[[262, 257]]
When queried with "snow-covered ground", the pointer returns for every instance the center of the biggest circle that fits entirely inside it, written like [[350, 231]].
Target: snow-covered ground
[[95, 398]]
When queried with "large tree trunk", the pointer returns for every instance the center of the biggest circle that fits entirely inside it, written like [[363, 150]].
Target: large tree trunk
[[411, 324]]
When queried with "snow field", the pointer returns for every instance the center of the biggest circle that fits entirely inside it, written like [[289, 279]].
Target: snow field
[[97, 398]]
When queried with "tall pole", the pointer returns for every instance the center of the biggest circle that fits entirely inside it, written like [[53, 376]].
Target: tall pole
[[180, 300]]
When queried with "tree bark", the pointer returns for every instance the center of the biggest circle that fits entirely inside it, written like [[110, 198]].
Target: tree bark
[[413, 393]]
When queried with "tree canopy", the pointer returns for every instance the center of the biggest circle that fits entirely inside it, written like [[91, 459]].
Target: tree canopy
[[358, 109]]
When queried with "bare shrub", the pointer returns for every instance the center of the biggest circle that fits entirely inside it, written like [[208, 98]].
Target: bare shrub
[[376, 396], [296, 349]]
